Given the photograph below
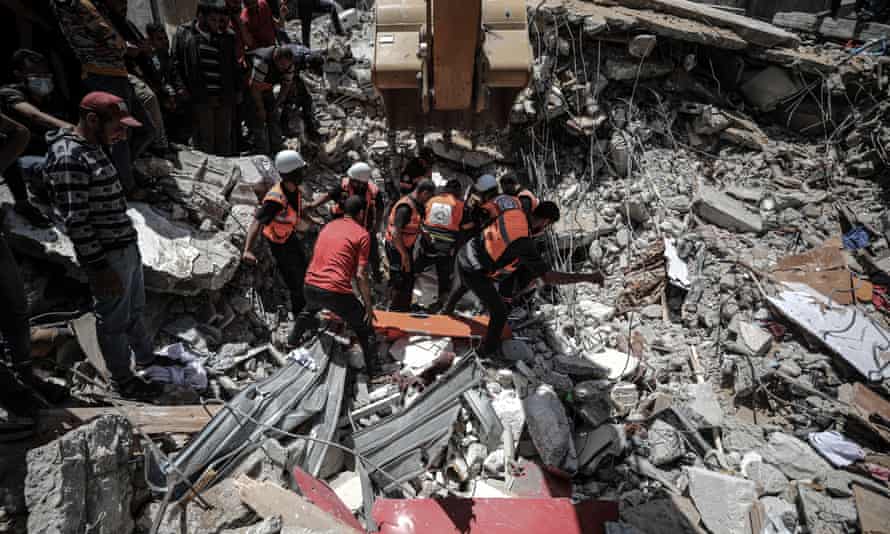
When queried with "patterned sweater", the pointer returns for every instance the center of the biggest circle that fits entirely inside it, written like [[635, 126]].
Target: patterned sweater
[[88, 197], [97, 45]]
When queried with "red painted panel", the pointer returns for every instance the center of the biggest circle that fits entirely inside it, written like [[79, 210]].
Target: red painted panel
[[492, 516], [321, 495]]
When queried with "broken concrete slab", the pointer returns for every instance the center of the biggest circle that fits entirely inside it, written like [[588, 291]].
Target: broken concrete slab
[[873, 510], [628, 68], [723, 501], [674, 514], [616, 364], [752, 30], [665, 443], [726, 212], [755, 339], [793, 457], [842, 29], [596, 445], [703, 405], [461, 150], [550, 430], [177, 259], [844, 330], [768, 88], [641, 46], [824, 514], [226, 512], [82, 482]]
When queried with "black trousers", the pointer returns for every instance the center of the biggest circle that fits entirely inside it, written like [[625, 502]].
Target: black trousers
[[401, 283], [291, 260], [14, 311], [444, 264], [483, 286], [300, 99], [347, 307], [306, 11]]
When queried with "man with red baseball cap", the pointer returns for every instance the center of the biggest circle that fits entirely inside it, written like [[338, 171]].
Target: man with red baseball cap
[[88, 197]]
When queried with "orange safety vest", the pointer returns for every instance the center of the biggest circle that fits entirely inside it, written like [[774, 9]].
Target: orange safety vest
[[509, 226], [444, 213], [411, 230], [525, 193], [370, 197], [500, 204], [286, 221]]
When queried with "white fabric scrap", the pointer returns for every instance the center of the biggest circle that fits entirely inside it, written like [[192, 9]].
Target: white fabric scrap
[[417, 353], [677, 270], [837, 449]]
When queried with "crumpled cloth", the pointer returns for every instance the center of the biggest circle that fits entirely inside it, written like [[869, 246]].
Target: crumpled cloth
[[837, 449], [855, 239], [190, 372]]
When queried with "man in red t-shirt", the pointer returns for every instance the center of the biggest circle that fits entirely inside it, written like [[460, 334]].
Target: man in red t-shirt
[[260, 24], [341, 255]]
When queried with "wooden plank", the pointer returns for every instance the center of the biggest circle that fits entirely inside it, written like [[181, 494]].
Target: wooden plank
[[752, 30], [873, 510], [455, 39], [151, 419], [269, 500]]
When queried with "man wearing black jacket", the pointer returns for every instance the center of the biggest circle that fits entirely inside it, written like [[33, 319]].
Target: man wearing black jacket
[[206, 73]]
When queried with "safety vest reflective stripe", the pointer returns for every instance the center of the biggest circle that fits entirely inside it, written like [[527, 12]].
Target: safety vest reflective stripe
[[412, 229], [511, 225], [285, 222]]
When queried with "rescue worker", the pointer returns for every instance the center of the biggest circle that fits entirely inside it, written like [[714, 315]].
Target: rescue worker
[[402, 232], [492, 256], [444, 224], [483, 191], [281, 220], [358, 183], [341, 255], [510, 186]]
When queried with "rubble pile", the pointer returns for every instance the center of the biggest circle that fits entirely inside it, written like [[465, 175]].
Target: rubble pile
[[730, 376]]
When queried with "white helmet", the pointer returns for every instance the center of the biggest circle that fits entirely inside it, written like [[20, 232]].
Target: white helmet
[[486, 182], [360, 172], [287, 161]]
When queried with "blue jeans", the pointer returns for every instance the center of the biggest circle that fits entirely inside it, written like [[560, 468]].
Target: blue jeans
[[119, 319], [141, 137]]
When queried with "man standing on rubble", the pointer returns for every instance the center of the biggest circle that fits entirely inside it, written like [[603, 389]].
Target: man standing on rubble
[[272, 65], [89, 199], [358, 183], [402, 233], [281, 220], [305, 59], [341, 255], [444, 224], [306, 11], [206, 74], [504, 246]]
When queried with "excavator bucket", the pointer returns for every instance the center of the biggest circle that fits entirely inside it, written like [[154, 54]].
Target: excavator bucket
[[450, 64]]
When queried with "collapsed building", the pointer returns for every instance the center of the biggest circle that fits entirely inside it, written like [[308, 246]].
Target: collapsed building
[[730, 376]]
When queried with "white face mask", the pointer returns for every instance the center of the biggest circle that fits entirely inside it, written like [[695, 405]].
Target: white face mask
[[40, 86]]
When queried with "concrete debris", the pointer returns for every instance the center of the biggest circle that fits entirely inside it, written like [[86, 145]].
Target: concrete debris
[[722, 173], [793, 457], [82, 481], [724, 502]]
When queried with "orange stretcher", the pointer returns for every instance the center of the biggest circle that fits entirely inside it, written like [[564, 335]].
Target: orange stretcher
[[394, 325]]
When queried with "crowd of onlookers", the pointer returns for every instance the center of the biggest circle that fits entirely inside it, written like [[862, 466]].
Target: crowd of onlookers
[[223, 85]]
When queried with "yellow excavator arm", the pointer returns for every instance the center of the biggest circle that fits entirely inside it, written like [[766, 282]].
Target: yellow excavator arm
[[450, 64]]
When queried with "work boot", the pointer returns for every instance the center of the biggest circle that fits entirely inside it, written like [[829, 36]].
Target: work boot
[[136, 388], [32, 215]]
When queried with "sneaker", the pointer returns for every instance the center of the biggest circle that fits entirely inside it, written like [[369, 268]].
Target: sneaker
[[33, 215], [138, 389]]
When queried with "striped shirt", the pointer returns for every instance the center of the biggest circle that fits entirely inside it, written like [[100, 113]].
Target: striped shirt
[[209, 54], [88, 197]]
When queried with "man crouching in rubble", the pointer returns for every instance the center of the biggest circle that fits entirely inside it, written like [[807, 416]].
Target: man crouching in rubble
[[88, 196], [341, 255], [496, 253]]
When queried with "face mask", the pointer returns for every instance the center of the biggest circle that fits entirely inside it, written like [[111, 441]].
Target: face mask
[[40, 86]]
